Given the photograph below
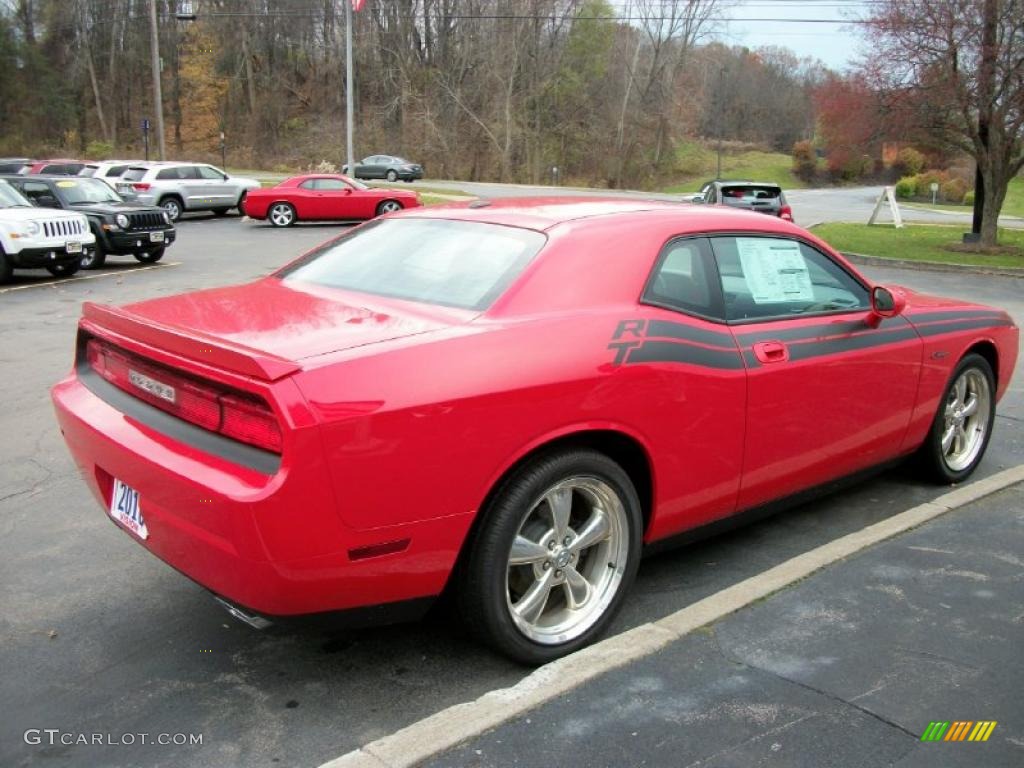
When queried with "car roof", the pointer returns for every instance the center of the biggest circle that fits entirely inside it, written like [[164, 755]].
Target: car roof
[[51, 177], [749, 183], [544, 213]]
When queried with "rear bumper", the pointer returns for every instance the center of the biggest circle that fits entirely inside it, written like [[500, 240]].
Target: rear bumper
[[32, 258], [273, 544]]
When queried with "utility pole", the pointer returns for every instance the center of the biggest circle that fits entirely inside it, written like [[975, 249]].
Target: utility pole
[[721, 111], [158, 97], [349, 153], [986, 96]]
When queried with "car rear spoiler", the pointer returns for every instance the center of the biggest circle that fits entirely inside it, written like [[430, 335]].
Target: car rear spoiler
[[191, 344]]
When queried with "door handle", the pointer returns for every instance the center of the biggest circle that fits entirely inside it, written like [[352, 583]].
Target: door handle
[[771, 352]]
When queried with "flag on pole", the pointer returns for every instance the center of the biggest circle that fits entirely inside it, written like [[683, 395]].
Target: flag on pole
[[357, 5]]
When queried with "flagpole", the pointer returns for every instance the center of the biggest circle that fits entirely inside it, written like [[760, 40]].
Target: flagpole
[[348, 88]]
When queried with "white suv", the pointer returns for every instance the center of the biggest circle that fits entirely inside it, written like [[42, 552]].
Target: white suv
[[40, 237], [180, 187], [111, 171]]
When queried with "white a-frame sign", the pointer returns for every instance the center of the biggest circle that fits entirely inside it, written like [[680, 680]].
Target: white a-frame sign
[[888, 194]]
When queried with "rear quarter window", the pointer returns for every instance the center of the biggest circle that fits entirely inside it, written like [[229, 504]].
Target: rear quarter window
[[135, 174]]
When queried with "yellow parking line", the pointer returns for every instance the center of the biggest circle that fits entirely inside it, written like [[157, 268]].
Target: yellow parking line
[[79, 277]]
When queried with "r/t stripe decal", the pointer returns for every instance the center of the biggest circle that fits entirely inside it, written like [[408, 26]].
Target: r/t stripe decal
[[671, 352], [662, 341]]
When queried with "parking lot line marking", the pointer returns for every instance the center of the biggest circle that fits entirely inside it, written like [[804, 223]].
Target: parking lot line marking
[[78, 278], [459, 723]]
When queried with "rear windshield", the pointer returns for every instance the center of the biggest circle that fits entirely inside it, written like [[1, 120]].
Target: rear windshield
[[135, 174], [463, 264], [751, 192]]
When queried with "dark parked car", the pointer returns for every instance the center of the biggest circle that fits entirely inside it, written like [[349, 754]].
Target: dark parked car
[[15, 164], [121, 228], [763, 197], [386, 167], [61, 166]]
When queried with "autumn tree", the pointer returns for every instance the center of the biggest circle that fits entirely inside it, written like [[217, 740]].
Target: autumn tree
[[959, 65], [849, 124]]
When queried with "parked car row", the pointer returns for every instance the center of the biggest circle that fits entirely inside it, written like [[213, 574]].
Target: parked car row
[[121, 208]]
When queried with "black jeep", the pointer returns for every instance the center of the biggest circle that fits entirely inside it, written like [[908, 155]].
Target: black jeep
[[121, 228]]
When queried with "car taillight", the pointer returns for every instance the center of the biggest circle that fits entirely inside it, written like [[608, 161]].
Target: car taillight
[[786, 213], [140, 186], [237, 415]]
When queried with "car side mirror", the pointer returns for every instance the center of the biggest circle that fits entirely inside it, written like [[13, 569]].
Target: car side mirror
[[47, 201], [885, 302]]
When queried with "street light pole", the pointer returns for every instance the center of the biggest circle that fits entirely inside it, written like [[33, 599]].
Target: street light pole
[[158, 97], [721, 110], [349, 154]]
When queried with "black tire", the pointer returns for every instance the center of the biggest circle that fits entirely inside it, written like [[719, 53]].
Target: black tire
[[220, 211], [63, 270], [281, 214], [174, 207], [481, 583], [6, 268], [95, 258], [408, 181], [391, 176], [388, 206], [151, 257], [931, 458], [240, 205]]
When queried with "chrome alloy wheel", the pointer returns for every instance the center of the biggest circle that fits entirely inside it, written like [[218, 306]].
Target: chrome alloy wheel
[[966, 419], [281, 214], [389, 206], [567, 561]]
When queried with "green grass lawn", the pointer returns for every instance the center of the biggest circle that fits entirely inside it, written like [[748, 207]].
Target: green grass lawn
[[917, 243], [699, 162], [428, 199]]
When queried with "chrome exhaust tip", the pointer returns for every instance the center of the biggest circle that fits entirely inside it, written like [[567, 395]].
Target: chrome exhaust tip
[[253, 620]]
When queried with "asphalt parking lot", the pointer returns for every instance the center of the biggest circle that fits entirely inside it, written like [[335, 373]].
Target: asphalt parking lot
[[100, 637]]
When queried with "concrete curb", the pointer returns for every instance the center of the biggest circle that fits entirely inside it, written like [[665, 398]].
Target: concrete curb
[[461, 722], [931, 266]]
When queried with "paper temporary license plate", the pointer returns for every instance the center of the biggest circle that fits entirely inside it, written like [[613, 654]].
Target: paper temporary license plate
[[74, 247], [125, 509], [156, 237]]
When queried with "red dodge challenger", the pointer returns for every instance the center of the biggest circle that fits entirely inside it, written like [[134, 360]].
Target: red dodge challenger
[[511, 400], [324, 197]]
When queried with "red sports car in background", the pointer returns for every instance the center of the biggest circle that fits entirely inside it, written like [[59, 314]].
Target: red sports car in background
[[324, 197], [511, 400]]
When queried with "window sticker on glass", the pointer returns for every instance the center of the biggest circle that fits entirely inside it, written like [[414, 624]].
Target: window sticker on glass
[[775, 270]]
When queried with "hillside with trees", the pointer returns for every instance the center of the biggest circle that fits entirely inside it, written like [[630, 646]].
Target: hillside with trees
[[498, 89]]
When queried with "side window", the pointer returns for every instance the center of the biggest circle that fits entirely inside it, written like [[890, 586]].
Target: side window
[[308, 184], [34, 190], [165, 174], [188, 172], [210, 174], [684, 279], [331, 184], [771, 277], [116, 170]]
